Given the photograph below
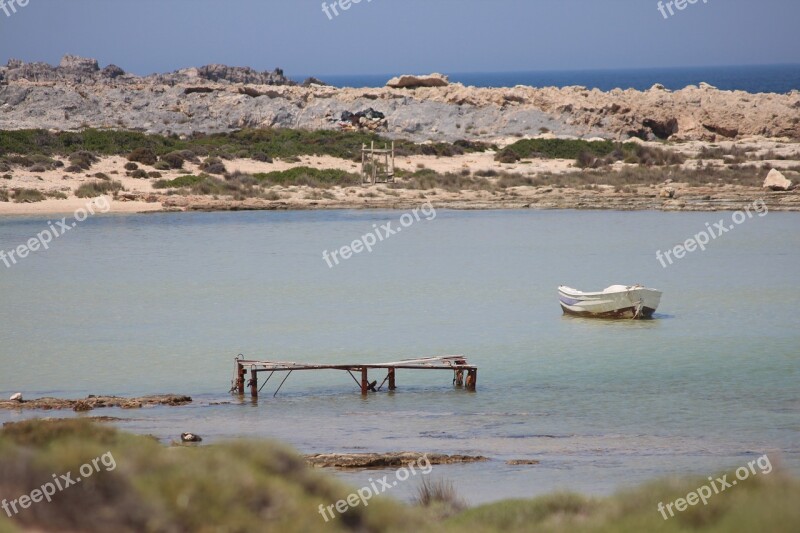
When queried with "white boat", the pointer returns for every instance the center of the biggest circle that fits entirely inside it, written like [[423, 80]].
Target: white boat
[[617, 301]]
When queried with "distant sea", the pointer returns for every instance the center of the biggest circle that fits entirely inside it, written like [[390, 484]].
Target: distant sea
[[753, 79]]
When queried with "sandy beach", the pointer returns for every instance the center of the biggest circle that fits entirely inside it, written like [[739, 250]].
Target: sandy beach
[[139, 195]]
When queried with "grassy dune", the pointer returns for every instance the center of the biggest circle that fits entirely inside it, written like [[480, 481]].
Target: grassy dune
[[262, 486]]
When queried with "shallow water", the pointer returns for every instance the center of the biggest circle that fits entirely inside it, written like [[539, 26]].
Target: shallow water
[[162, 303]]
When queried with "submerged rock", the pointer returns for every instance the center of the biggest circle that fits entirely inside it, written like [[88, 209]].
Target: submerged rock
[[94, 402], [386, 460]]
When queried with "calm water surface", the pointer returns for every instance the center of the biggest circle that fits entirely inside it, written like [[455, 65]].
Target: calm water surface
[[162, 303]]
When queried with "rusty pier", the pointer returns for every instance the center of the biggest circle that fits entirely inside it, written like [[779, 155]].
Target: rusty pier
[[464, 374]]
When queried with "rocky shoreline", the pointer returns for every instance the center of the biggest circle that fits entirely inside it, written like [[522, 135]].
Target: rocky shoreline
[[731, 198], [216, 98], [96, 402], [386, 460]]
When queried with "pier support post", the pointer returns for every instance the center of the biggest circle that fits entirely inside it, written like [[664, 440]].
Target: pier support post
[[253, 383], [240, 378], [472, 379], [391, 379], [364, 381]]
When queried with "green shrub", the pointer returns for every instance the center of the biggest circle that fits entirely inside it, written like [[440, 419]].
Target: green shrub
[[181, 181], [93, 189], [131, 166], [173, 159], [27, 196], [162, 165], [83, 159], [138, 174], [143, 155], [154, 174], [213, 165], [3, 195], [277, 142], [311, 177], [261, 156]]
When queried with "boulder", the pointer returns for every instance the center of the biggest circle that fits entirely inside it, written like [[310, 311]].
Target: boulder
[[412, 82], [776, 181], [312, 81]]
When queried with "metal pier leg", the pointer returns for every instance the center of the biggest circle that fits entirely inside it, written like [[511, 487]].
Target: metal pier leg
[[253, 383], [391, 379], [240, 378], [472, 379], [364, 381]]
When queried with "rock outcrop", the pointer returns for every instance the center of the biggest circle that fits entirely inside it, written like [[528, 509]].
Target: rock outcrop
[[776, 181], [217, 98], [76, 69], [408, 81]]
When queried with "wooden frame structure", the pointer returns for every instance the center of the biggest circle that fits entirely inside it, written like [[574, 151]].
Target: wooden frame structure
[[377, 164], [456, 363]]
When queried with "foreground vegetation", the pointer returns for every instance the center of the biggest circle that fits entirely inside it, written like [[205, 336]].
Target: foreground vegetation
[[258, 144], [247, 486]]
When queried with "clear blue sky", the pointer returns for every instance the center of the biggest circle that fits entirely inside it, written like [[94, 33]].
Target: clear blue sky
[[393, 36]]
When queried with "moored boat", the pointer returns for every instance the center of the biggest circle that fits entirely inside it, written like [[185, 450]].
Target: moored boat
[[616, 301]]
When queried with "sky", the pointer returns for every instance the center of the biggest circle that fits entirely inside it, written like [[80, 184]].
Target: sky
[[403, 36]]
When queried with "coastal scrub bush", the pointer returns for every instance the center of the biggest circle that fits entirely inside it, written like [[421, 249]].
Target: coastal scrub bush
[[173, 159], [27, 196], [235, 486], [427, 179], [261, 156], [83, 159], [276, 142], [93, 189], [181, 181], [441, 495], [312, 177], [555, 148], [213, 165], [138, 173], [18, 160], [145, 156], [3, 195], [131, 166], [589, 154]]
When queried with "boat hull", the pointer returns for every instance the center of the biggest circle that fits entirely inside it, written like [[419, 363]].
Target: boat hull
[[617, 301]]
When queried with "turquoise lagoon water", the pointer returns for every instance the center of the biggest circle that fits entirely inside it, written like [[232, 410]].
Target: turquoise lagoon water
[[159, 303]]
